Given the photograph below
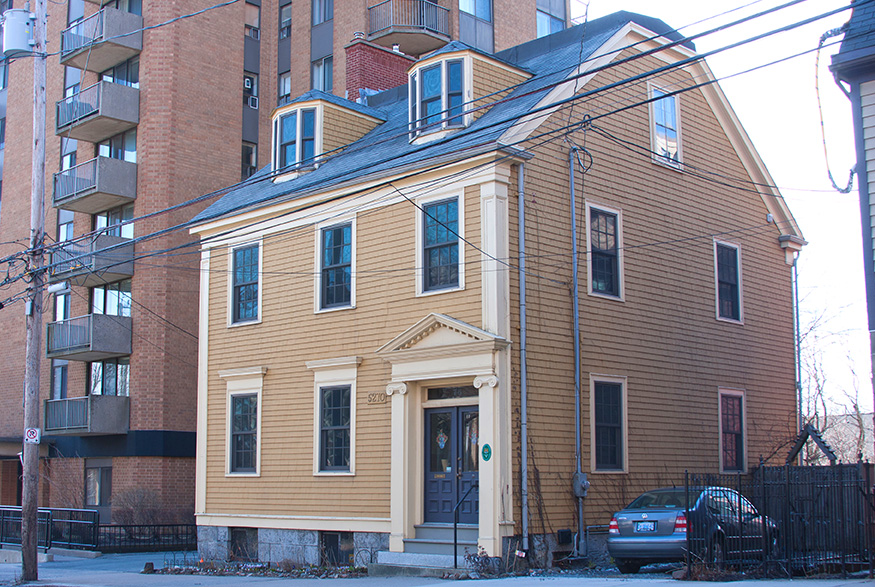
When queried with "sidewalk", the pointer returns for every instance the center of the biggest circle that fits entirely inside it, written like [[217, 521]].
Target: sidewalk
[[123, 570]]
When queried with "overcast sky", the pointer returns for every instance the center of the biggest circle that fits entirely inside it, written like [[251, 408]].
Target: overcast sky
[[777, 105]]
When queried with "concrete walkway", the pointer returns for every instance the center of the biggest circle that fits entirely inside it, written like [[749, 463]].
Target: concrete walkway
[[123, 570]]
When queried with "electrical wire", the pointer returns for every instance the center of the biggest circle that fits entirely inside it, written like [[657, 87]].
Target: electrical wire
[[828, 34]]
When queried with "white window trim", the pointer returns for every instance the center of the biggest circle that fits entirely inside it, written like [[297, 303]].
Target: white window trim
[[275, 142], [435, 132], [337, 372], [721, 391], [720, 318], [230, 298], [678, 166], [317, 306], [624, 395], [620, 256], [244, 381], [421, 203]]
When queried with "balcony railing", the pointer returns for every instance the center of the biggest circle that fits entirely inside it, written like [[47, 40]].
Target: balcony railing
[[89, 415], [417, 25], [96, 185], [102, 40], [104, 259], [98, 112], [92, 337]]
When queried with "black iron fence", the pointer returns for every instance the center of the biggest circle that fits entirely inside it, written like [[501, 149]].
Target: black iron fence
[[56, 527], [147, 537], [797, 519]]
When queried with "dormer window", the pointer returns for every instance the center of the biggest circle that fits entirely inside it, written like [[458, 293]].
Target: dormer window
[[295, 139], [437, 95]]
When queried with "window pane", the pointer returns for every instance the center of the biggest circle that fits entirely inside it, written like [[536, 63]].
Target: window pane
[[335, 428], [245, 303], [336, 266], [608, 426], [441, 246], [732, 433]]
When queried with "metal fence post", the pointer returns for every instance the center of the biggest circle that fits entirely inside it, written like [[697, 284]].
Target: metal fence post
[[687, 514]]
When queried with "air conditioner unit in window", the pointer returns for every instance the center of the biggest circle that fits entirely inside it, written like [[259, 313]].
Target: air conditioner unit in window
[[255, 33], [247, 83], [253, 102]]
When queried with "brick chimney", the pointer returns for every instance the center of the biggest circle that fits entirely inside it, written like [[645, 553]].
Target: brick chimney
[[372, 67]]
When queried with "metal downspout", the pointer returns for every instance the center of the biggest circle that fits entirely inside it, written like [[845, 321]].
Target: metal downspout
[[576, 314], [524, 388]]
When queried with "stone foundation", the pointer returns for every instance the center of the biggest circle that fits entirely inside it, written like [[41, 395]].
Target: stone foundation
[[296, 547]]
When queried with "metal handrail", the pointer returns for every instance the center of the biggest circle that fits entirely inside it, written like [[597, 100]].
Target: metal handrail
[[81, 104], [82, 34], [474, 486], [67, 414], [422, 14], [75, 180]]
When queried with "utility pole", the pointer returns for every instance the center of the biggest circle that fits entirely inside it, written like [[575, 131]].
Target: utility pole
[[34, 304]]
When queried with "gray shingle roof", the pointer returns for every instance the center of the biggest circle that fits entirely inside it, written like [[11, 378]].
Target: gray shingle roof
[[861, 28], [387, 148], [343, 103]]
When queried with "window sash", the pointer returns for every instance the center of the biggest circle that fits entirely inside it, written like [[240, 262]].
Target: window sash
[[608, 426], [110, 377], [336, 266], [323, 11], [732, 433], [297, 138], [334, 428], [437, 97], [245, 284], [665, 126], [605, 252], [728, 294], [244, 433], [440, 252], [285, 21]]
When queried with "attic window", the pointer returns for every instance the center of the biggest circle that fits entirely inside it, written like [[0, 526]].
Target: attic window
[[436, 94], [295, 139]]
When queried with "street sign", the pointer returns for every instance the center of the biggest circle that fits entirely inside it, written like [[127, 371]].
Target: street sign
[[31, 435]]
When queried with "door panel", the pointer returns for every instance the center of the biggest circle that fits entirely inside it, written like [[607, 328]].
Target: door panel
[[451, 463]]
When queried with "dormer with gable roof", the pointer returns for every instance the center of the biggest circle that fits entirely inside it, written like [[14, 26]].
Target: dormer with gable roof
[[314, 126]]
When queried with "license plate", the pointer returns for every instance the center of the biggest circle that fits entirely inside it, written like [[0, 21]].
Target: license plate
[[645, 526]]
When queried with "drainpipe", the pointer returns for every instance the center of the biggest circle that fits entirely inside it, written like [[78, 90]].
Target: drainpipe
[[575, 302], [524, 388], [800, 417]]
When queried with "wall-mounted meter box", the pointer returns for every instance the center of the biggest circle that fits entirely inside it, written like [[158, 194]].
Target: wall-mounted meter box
[[17, 32]]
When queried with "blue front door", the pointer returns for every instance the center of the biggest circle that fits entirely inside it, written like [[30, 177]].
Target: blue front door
[[451, 463]]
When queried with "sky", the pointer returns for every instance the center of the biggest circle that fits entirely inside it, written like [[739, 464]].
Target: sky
[[777, 105]]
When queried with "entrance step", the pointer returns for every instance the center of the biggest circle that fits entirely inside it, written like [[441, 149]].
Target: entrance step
[[439, 547], [467, 532], [412, 564]]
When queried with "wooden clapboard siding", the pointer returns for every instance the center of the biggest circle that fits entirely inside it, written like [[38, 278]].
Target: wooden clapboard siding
[[490, 82], [342, 127], [292, 334], [664, 337]]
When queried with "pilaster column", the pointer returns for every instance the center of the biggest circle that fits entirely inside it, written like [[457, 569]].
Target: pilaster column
[[489, 470], [399, 492]]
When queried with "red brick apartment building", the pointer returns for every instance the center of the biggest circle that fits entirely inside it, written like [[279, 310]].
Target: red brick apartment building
[[139, 121]]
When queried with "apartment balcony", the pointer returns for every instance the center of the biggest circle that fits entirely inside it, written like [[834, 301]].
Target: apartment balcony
[[91, 415], [93, 337], [418, 26], [102, 40], [103, 259], [98, 112], [96, 185]]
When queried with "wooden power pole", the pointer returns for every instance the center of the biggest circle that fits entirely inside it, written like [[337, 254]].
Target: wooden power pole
[[34, 313]]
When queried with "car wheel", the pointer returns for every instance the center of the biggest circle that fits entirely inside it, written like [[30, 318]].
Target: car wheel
[[716, 554], [627, 567]]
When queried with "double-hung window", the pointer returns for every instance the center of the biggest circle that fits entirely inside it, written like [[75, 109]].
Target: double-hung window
[[244, 433], [437, 94], [336, 270], [296, 138], [285, 21], [604, 244], [727, 261], [245, 294], [322, 74], [284, 88], [440, 245], [334, 428], [732, 430], [608, 415], [665, 129]]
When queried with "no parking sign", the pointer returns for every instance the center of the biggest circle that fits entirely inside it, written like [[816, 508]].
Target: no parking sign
[[31, 435]]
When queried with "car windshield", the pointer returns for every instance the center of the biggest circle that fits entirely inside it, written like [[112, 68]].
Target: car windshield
[[668, 498]]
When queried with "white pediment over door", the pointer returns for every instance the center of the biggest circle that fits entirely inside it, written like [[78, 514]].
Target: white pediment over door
[[441, 346]]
